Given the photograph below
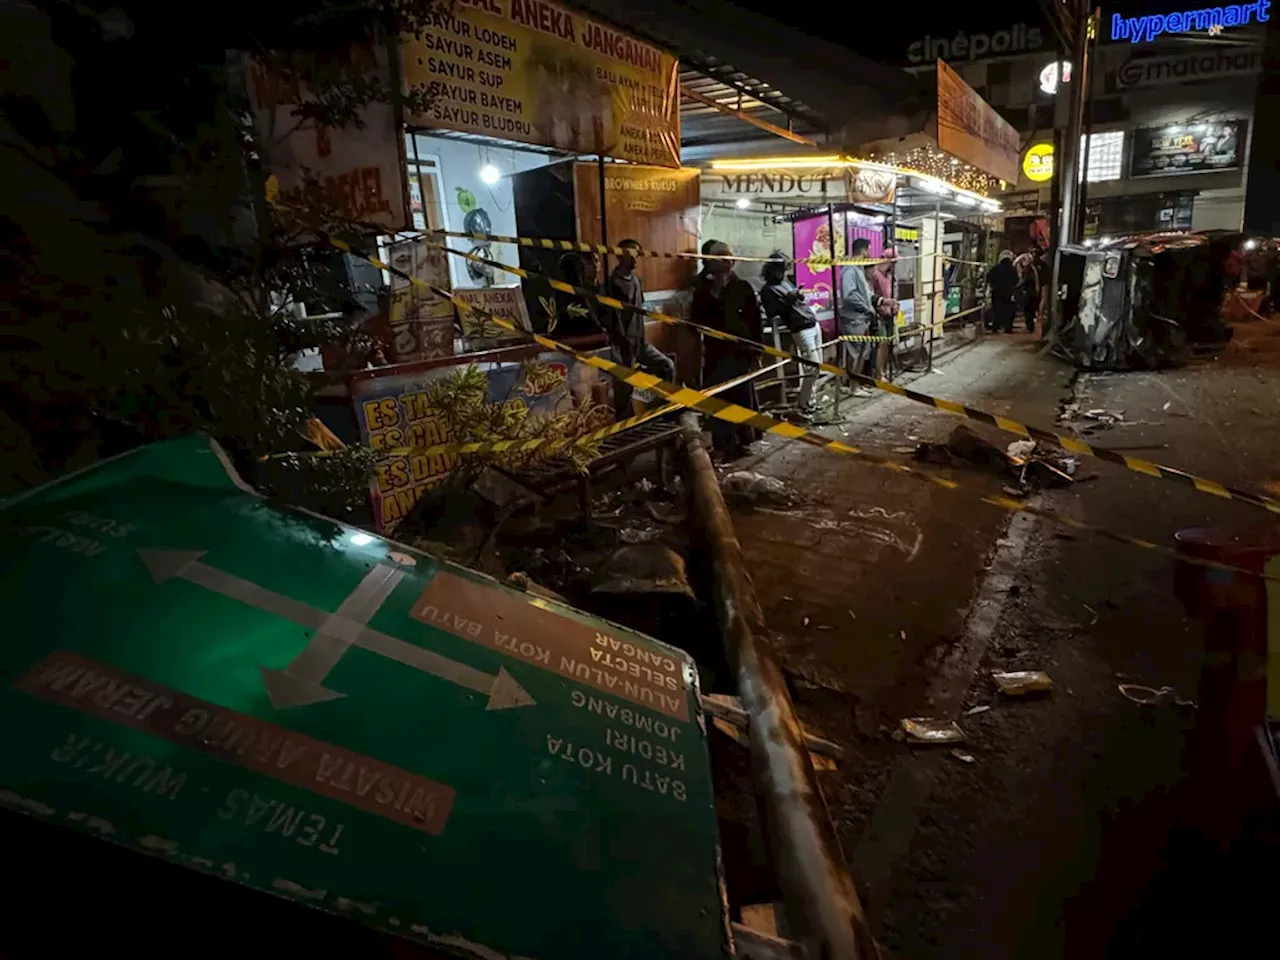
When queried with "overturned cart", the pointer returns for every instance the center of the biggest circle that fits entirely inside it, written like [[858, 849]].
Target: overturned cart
[[1144, 301]]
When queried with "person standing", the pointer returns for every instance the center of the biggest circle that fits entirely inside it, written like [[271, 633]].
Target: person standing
[[880, 279], [724, 301], [784, 305], [858, 314], [627, 334], [1028, 292], [1002, 282]]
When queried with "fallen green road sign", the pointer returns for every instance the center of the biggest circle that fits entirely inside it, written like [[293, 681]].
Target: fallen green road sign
[[324, 715]]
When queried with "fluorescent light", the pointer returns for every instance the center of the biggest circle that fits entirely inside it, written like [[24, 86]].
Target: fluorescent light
[[1250, 244], [743, 203], [490, 174], [360, 539]]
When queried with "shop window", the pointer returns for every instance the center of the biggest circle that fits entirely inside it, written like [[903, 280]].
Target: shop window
[[1106, 155], [426, 205]]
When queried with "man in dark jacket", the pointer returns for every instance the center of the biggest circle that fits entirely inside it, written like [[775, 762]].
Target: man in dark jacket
[[624, 284], [784, 306], [1002, 282], [724, 301]]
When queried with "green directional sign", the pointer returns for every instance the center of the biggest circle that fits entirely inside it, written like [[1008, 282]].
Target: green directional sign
[[327, 716]]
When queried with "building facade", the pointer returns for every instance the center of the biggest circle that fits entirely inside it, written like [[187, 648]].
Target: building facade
[[1170, 114]]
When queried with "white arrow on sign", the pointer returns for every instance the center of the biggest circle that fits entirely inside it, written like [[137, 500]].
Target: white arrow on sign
[[302, 681]]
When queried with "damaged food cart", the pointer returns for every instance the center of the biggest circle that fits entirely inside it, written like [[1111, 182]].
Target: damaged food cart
[[1145, 301]]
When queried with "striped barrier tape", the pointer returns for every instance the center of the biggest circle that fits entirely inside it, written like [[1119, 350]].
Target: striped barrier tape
[[578, 246], [1069, 443], [554, 445], [898, 334], [741, 416]]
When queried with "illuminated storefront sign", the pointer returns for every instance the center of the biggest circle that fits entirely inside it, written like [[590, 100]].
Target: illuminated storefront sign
[[1147, 28], [1037, 163]]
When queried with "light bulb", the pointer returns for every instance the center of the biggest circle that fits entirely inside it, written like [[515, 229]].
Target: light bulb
[[490, 174], [743, 203], [360, 539]]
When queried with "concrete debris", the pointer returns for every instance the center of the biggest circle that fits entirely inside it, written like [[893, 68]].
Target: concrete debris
[[961, 755], [974, 711], [1019, 683], [746, 487], [931, 730], [1031, 466], [643, 568], [1020, 449]]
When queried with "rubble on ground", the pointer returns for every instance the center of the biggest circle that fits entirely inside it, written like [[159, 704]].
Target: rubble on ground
[[756, 489], [1028, 465]]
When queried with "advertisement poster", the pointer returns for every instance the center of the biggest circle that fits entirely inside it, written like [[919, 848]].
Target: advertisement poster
[[970, 129], [1188, 148], [536, 72], [393, 410], [656, 206], [505, 302], [354, 172], [869, 185], [812, 237], [421, 321]]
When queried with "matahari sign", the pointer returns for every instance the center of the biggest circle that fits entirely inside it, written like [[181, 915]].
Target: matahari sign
[[532, 71], [970, 129]]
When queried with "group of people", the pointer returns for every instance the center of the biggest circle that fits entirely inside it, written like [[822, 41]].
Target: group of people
[[724, 301], [1015, 285]]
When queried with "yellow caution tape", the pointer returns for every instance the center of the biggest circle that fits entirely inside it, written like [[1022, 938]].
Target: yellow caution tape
[[1068, 443], [739, 415]]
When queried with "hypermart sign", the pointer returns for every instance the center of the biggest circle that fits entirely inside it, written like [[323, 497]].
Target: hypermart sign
[[1144, 29]]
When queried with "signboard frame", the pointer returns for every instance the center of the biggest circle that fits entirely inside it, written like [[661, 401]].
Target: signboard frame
[[969, 128]]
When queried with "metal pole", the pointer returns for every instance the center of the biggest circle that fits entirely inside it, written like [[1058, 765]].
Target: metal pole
[[841, 347], [822, 906], [934, 277], [1087, 140], [604, 219], [1070, 157]]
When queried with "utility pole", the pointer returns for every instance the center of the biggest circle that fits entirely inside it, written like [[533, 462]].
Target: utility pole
[[1078, 17], [1262, 185]]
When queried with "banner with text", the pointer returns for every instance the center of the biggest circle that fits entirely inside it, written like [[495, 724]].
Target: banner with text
[[532, 71], [421, 321], [971, 130], [394, 409], [353, 172], [506, 302]]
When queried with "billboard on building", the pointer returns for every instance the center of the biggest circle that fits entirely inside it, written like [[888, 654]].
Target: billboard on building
[[970, 129], [536, 72], [1188, 148], [354, 172]]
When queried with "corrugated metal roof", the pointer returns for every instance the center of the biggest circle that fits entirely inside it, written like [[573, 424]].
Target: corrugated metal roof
[[704, 125]]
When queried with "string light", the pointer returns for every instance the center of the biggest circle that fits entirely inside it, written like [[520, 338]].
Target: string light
[[934, 163]]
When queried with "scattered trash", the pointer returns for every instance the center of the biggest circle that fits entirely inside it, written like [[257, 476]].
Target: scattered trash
[[902, 634], [904, 450], [974, 711], [1167, 405], [929, 730], [746, 487], [852, 615], [646, 533], [961, 755], [1030, 465], [1021, 682], [788, 599], [806, 621], [1020, 449], [1092, 612], [1150, 696]]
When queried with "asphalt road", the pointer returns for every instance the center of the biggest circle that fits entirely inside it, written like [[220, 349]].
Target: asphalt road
[[1065, 836]]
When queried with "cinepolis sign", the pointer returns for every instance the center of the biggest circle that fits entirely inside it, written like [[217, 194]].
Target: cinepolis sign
[[1147, 28]]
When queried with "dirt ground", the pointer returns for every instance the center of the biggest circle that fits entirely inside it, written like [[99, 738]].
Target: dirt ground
[[889, 598]]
